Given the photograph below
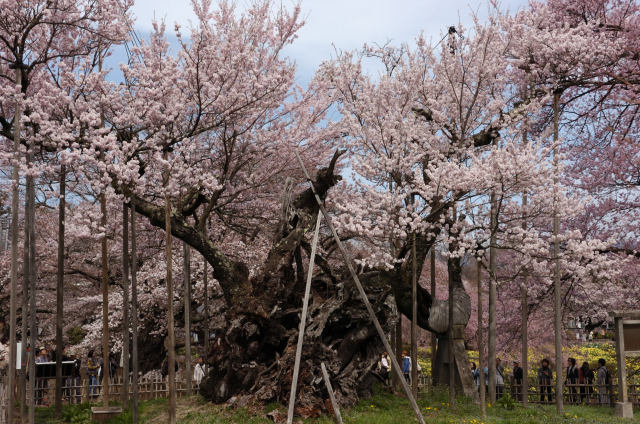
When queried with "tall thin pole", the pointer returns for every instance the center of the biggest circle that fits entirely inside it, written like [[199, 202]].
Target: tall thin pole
[[434, 339], [24, 326], [483, 400], [60, 288], [556, 258], [33, 323], [206, 311], [524, 386], [134, 313], [414, 318], [492, 300], [362, 293], [187, 314], [125, 305], [105, 301], [171, 342], [303, 323], [450, 335], [17, 121]]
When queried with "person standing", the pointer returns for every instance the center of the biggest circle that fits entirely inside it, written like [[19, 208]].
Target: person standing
[[572, 378], [406, 366], [384, 368], [516, 388], [475, 373], [499, 378], [41, 382], [93, 365], [586, 382], [199, 371], [545, 377], [603, 382]]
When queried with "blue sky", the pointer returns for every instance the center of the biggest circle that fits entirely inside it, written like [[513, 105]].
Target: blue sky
[[339, 24]]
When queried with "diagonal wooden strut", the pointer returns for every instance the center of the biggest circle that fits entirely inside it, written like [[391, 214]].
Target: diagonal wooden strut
[[363, 295], [303, 323]]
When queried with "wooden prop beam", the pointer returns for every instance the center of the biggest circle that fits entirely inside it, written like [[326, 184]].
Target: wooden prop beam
[[303, 323], [363, 294]]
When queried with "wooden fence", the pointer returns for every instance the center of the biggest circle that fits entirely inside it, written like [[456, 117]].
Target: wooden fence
[[573, 394], [81, 390], [4, 400]]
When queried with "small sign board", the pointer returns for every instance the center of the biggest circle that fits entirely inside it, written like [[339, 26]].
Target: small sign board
[[631, 334]]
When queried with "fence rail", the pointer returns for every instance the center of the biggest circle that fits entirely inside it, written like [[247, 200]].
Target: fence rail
[[572, 394]]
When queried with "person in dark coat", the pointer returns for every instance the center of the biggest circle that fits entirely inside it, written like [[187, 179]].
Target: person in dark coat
[[545, 380], [572, 379], [516, 387], [586, 383]]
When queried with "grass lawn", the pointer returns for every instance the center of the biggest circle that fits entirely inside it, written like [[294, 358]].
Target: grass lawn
[[383, 408]]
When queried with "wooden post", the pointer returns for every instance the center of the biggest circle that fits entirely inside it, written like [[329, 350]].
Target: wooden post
[[334, 403], [482, 386], [414, 318], [557, 296], [624, 408], [124, 390], [434, 339], [60, 291], [363, 294], [15, 199], [169, 281], [31, 277], [491, 361], [452, 361], [303, 322], [187, 316], [206, 312], [134, 315]]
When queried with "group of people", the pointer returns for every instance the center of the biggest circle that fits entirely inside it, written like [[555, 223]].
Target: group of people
[[384, 367], [578, 380]]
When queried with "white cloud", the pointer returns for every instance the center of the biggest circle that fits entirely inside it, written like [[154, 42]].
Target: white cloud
[[345, 24]]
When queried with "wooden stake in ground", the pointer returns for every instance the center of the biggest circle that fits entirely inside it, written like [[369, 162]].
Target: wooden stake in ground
[[171, 342], [334, 403], [303, 322], [15, 199], [134, 314], [33, 323], [363, 294], [557, 296], [491, 361], [105, 302], [452, 360], [125, 305], [60, 290], [186, 250], [483, 400], [414, 318], [434, 339], [206, 312]]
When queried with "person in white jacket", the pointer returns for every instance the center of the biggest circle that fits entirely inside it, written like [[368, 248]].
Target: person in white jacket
[[199, 371]]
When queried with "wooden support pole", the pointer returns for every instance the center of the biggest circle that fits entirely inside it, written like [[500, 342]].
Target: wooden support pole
[[187, 317], [303, 322], [134, 315], [60, 290], [124, 390], [622, 366], [414, 318], [332, 396], [483, 393], [15, 199], [363, 294], [434, 339]]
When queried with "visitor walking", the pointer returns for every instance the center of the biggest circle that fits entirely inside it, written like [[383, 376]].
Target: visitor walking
[[545, 377], [516, 387], [603, 381], [475, 373], [93, 365], [586, 383], [384, 368], [406, 366]]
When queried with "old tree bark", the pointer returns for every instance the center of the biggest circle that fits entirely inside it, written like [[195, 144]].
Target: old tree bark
[[256, 355]]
